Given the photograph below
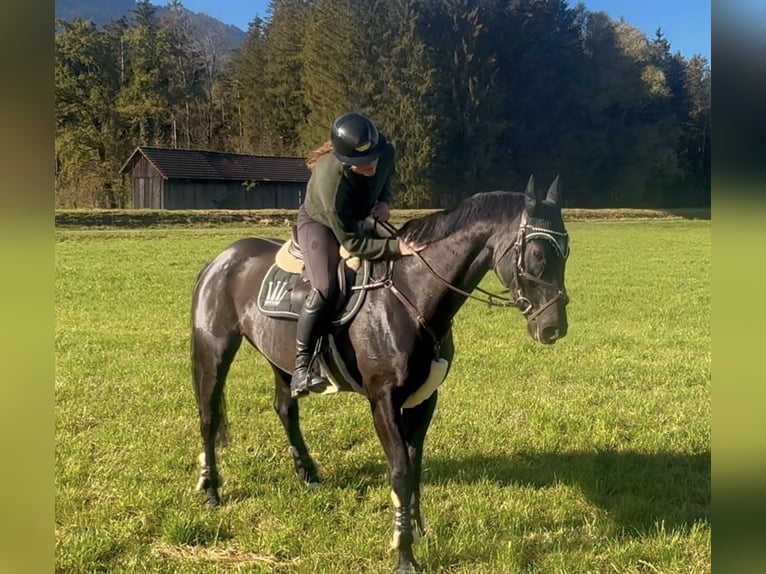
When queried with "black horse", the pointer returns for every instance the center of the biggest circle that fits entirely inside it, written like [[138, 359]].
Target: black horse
[[389, 346]]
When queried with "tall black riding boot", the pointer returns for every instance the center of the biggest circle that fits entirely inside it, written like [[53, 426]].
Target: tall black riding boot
[[311, 325]]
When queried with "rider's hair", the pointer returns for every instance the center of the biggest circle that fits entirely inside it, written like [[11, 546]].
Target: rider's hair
[[314, 156]]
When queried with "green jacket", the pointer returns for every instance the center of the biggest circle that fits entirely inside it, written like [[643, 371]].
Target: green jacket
[[342, 200]]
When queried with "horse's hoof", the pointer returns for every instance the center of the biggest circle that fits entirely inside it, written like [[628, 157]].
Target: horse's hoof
[[406, 569], [310, 479], [313, 485], [212, 502]]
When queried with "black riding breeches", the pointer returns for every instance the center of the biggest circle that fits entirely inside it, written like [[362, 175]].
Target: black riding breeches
[[321, 255]]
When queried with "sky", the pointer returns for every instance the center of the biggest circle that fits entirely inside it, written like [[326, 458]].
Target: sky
[[685, 23]]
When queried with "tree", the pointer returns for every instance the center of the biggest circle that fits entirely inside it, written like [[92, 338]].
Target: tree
[[144, 99], [400, 93], [627, 130], [88, 130], [329, 69], [284, 105], [695, 141], [244, 87], [540, 74], [211, 106], [185, 66]]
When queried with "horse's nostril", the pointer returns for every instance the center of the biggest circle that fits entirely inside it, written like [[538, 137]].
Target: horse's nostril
[[550, 334]]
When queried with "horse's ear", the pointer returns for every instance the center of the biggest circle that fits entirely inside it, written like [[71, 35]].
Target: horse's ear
[[530, 196], [553, 192]]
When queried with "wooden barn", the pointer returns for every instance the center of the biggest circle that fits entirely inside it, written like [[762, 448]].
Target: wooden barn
[[194, 179]]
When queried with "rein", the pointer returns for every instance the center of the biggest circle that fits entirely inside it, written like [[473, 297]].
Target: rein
[[491, 297]]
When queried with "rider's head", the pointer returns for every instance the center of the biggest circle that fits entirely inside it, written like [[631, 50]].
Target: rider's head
[[356, 141]]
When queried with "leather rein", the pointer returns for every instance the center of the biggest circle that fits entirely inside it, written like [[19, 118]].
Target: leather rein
[[494, 299]]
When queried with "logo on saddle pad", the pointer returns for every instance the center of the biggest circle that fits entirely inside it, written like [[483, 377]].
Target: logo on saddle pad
[[275, 292]]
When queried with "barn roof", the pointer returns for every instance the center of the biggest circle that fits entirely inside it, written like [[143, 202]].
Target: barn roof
[[212, 165]]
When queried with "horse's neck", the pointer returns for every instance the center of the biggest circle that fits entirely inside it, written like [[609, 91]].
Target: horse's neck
[[461, 260]]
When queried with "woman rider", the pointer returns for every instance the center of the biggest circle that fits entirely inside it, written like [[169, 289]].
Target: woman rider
[[345, 188]]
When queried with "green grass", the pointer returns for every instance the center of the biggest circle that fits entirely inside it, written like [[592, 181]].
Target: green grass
[[589, 456]]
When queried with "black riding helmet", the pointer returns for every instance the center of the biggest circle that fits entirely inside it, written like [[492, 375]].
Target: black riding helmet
[[356, 140]]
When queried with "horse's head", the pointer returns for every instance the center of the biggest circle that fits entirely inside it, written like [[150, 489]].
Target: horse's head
[[532, 268]]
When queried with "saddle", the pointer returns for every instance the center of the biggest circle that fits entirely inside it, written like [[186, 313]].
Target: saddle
[[285, 286]]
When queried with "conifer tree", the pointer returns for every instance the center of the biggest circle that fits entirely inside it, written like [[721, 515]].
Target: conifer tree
[[402, 90], [284, 106], [330, 68], [144, 97], [244, 86]]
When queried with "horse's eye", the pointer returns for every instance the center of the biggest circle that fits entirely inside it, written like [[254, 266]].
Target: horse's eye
[[538, 255]]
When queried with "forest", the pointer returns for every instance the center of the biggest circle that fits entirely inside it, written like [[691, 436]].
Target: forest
[[476, 95]]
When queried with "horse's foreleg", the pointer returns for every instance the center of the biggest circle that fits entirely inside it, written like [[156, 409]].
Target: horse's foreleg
[[416, 422], [286, 408], [388, 424]]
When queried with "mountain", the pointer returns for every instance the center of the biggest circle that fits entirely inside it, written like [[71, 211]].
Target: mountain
[[102, 12], [98, 12]]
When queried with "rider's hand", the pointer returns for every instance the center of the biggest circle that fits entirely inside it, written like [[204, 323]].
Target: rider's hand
[[409, 248], [381, 211]]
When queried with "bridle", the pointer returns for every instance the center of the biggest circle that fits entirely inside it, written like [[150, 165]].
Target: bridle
[[526, 232], [518, 298]]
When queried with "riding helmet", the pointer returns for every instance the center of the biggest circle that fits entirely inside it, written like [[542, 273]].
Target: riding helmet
[[356, 140]]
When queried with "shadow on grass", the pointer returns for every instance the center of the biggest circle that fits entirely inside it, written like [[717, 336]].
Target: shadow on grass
[[637, 490]]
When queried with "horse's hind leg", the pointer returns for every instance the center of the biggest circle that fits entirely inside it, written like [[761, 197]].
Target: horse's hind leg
[[211, 359], [287, 410]]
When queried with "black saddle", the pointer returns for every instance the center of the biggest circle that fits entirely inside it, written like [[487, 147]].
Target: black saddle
[[282, 292]]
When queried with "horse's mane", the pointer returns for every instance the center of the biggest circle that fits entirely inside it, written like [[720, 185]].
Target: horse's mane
[[477, 208]]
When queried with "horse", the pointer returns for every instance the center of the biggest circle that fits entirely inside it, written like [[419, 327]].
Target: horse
[[395, 337]]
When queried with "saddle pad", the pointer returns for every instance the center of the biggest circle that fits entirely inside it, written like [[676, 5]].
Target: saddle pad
[[286, 260], [282, 293]]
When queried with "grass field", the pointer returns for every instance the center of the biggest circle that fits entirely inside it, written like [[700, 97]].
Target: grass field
[[589, 456]]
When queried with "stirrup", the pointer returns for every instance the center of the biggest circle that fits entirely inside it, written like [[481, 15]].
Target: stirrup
[[312, 383]]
